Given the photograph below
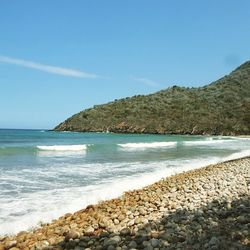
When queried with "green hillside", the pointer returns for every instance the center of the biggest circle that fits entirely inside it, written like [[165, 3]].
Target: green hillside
[[222, 107]]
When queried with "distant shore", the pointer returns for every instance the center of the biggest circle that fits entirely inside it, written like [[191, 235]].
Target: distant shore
[[206, 208]]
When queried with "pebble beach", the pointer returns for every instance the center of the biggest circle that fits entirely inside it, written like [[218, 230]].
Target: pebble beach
[[206, 208]]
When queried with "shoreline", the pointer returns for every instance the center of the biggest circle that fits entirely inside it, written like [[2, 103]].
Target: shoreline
[[120, 222], [149, 133]]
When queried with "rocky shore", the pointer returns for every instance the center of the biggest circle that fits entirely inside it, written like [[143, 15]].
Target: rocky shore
[[208, 208]]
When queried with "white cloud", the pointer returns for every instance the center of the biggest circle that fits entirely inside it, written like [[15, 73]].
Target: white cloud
[[145, 81], [47, 68]]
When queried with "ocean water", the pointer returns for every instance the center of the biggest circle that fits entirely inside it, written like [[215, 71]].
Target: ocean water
[[45, 174]]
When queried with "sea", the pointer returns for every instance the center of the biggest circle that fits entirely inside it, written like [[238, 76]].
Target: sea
[[45, 174]]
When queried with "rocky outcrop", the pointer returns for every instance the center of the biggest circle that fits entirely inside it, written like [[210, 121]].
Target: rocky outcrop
[[207, 208]]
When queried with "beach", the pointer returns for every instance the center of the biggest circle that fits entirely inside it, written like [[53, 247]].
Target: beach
[[206, 208]]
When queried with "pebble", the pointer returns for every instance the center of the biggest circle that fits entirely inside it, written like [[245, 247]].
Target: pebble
[[89, 230], [125, 231], [132, 244]]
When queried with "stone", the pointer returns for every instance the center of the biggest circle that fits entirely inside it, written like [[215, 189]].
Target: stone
[[71, 244], [111, 247], [132, 244], [213, 241], [72, 234], [125, 231], [121, 217], [131, 223], [89, 230], [41, 244], [116, 238], [112, 241], [137, 220], [78, 248], [10, 244], [242, 220], [149, 247], [116, 221], [154, 243]]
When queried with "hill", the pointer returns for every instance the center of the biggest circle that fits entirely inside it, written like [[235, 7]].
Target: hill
[[220, 108]]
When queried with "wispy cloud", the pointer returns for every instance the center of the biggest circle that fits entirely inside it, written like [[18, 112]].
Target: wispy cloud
[[47, 68], [145, 81]]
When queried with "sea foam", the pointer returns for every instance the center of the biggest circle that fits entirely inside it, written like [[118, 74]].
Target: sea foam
[[27, 211], [144, 145], [206, 142], [63, 147]]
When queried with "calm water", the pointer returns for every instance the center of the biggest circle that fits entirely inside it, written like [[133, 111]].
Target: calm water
[[46, 174]]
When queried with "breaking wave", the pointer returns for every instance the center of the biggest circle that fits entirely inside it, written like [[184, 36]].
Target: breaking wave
[[206, 142], [63, 147], [144, 145]]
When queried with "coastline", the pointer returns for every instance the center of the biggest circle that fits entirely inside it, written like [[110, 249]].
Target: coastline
[[194, 209]]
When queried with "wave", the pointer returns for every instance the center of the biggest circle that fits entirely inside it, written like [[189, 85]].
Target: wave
[[243, 138], [237, 155], [47, 205], [63, 147], [206, 142], [144, 145], [44, 206]]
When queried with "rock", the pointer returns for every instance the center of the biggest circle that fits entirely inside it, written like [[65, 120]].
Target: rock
[[213, 241], [132, 244], [165, 236], [149, 247], [142, 211], [116, 238], [72, 234], [173, 190], [137, 220], [78, 248], [71, 244], [242, 220], [114, 216], [112, 241], [10, 244], [116, 221], [111, 247], [131, 223], [89, 230], [121, 217], [41, 244], [125, 231], [154, 243], [237, 235]]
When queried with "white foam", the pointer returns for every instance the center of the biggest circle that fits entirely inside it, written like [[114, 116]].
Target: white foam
[[237, 155], [58, 153], [243, 138], [27, 211], [63, 147], [206, 142], [144, 145]]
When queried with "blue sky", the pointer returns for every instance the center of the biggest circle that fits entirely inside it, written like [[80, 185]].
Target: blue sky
[[59, 57]]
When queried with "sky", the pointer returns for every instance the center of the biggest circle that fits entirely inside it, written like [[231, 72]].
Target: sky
[[59, 57]]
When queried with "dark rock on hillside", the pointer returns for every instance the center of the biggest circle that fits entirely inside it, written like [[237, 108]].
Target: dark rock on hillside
[[222, 107]]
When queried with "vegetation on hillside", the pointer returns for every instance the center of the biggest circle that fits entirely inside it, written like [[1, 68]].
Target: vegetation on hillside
[[222, 107]]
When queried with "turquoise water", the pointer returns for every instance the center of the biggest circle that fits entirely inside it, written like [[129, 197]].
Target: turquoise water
[[44, 174]]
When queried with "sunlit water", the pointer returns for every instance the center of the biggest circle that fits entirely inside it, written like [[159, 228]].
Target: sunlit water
[[44, 175]]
